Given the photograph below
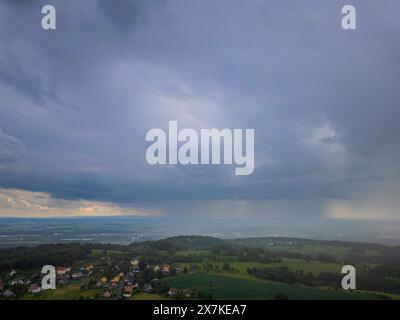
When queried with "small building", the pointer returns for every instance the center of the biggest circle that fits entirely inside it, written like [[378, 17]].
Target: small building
[[116, 279], [107, 294], [166, 268], [90, 267], [12, 273], [34, 288], [76, 275], [104, 280], [173, 291], [63, 270], [17, 282], [135, 263], [128, 290]]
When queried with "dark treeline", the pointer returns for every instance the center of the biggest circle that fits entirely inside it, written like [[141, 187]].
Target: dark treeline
[[284, 274], [25, 258], [382, 278]]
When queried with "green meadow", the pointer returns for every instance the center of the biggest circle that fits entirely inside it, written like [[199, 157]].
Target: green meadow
[[231, 286], [315, 267]]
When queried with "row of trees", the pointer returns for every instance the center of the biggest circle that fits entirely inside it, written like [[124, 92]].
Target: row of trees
[[284, 274]]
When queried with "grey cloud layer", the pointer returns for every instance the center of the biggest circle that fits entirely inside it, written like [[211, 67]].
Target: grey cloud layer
[[323, 102]]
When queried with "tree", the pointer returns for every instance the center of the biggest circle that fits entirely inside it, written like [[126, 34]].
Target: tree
[[226, 266]]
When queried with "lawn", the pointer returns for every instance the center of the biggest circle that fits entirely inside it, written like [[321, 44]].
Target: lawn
[[226, 286]]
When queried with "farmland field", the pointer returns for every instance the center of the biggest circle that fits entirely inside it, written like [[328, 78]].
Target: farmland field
[[223, 286], [305, 247], [71, 292], [315, 267]]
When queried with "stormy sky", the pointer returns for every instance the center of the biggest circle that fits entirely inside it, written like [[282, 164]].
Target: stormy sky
[[76, 103]]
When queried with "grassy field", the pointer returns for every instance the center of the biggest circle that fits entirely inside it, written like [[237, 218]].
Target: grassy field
[[315, 267], [147, 296], [193, 252], [73, 292], [316, 249], [70, 292], [313, 249], [227, 286]]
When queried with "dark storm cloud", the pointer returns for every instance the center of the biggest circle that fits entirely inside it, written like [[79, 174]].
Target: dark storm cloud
[[323, 101], [127, 14]]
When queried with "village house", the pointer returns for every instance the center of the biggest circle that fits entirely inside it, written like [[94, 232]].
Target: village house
[[128, 290], [76, 275], [166, 268], [63, 274], [90, 267], [102, 283], [107, 294], [116, 279], [156, 268], [135, 263], [173, 291], [63, 270], [12, 273], [187, 293], [35, 288], [17, 282]]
